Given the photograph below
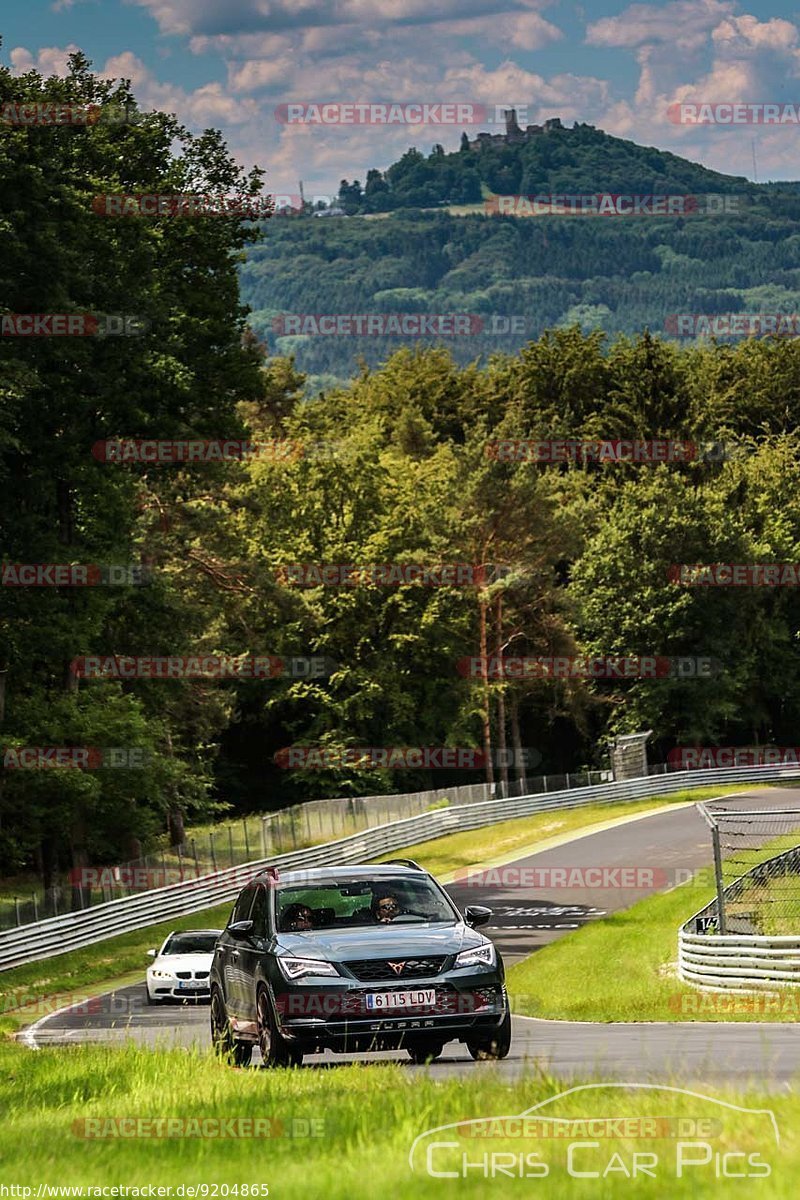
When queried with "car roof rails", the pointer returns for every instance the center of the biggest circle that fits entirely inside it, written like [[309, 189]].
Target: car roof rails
[[404, 862]]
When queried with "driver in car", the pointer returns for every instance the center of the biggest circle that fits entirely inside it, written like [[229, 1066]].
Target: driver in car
[[385, 907]]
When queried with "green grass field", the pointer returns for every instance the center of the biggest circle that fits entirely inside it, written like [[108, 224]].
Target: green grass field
[[346, 1132], [571, 980]]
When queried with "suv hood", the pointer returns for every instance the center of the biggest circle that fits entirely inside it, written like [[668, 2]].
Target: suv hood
[[385, 942]]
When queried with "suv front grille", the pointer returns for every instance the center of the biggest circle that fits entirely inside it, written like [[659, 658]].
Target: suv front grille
[[370, 970]]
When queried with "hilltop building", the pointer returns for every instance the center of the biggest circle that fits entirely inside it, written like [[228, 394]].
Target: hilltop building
[[514, 134]]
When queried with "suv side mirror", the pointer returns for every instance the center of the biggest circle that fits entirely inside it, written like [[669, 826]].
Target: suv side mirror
[[476, 914], [240, 929]]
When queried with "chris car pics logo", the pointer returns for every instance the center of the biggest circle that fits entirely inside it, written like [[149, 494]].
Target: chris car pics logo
[[606, 1132]]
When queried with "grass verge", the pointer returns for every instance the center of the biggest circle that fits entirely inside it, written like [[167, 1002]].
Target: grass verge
[[363, 1121], [570, 979]]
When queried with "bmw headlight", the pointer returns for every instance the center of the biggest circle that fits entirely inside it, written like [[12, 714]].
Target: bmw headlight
[[157, 973], [479, 956], [296, 968]]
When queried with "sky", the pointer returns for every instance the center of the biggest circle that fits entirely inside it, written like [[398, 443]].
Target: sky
[[231, 64]]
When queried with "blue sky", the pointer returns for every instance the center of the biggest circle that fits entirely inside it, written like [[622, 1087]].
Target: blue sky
[[229, 63]]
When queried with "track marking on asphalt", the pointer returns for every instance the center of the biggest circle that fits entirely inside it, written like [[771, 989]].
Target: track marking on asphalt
[[28, 1036]]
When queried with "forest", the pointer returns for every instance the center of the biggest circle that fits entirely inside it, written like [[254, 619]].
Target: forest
[[395, 465]]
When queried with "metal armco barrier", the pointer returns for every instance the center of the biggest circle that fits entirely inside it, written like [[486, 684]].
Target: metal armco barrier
[[29, 943]]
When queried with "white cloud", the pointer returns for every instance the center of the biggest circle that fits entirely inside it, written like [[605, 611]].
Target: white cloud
[[50, 60], [206, 105], [683, 23]]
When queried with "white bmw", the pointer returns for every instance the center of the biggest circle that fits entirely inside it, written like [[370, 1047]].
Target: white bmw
[[181, 967]]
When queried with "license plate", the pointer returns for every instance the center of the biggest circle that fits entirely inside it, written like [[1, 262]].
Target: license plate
[[423, 997], [189, 985]]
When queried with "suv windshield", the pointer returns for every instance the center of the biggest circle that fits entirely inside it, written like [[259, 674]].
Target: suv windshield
[[191, 943], [351, 903]]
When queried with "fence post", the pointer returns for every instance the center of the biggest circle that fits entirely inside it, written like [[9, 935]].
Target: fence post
[[35, 899], [723, 926], [16, 910], [544, 781], [263, 837], [211, 846], [196, 863], [180, 862], [246, 840], [230, 843]]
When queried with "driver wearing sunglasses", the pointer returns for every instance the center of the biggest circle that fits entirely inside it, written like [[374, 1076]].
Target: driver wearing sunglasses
[[385, 907]]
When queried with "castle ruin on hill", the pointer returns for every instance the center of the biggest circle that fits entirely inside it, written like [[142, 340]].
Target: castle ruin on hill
[[514, 134]]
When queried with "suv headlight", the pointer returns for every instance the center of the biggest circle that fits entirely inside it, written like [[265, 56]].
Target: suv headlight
[[479, 956], [296, 968]]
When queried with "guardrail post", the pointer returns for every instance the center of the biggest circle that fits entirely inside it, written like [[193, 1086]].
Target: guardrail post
[[718, 877]]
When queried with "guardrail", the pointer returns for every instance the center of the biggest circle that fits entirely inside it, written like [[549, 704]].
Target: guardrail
[[744, 961], [29, 943]]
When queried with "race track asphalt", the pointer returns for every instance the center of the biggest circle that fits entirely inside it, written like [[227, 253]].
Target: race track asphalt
[[532, 908]]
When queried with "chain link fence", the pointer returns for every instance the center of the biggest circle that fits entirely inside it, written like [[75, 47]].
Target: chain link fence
[[234, 843], [757, 872]]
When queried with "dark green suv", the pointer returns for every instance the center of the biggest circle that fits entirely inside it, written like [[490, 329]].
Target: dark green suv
[[355, 959]]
